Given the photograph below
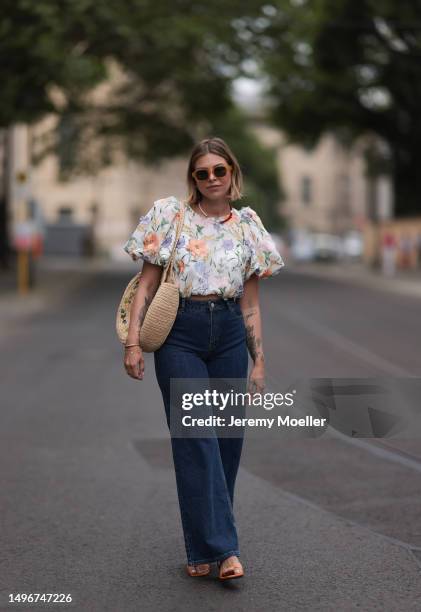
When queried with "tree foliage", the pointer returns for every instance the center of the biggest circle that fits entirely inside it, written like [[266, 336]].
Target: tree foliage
[[352, 66], [167, 69], [176, 63]]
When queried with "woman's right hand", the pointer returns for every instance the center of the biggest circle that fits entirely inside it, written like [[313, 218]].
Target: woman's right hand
[[134, 362]]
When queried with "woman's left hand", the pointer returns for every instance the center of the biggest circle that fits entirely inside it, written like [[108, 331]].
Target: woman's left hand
[[256, 382]]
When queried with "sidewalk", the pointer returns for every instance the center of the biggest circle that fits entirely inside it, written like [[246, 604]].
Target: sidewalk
[[406, 282]]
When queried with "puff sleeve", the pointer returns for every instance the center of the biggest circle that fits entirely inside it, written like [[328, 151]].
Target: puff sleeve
[[152, 239], [264, 260]]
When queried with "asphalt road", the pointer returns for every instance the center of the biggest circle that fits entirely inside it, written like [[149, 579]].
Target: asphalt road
[[88, 502]]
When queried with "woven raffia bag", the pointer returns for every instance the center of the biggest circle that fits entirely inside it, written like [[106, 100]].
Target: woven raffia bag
[[162, 311]]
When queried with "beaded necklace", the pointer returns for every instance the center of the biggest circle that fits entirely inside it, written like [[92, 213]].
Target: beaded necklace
[[224, 220]]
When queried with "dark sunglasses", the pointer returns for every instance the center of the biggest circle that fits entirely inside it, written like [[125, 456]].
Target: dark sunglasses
[[219, 171]]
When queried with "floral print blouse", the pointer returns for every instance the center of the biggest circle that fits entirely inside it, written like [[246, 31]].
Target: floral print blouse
[[210, 257]]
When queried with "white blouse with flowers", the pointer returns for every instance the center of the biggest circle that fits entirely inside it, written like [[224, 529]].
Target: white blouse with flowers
[[210, 257]]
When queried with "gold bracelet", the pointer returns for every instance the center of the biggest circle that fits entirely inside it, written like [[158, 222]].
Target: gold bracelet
[[129, 345]]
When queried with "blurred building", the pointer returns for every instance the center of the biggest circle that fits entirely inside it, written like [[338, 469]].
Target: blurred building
[[325, 188], [88, 214]]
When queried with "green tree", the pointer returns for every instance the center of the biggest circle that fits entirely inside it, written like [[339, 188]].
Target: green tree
[[352, 66], [45, 45], [176, 62]]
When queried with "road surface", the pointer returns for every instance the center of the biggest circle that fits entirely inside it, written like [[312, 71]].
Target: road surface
[[89, 505]]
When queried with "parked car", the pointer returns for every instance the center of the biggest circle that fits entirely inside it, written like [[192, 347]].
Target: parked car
[[327, 247], [302, 247], [353, 245]]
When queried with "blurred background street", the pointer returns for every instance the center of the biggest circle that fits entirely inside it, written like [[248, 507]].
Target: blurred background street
[[101, 105]]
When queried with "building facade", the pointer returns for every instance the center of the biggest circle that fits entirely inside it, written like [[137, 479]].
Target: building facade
[[325, 188]]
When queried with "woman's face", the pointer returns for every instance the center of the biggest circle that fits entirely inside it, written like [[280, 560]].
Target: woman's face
[[214, 187]]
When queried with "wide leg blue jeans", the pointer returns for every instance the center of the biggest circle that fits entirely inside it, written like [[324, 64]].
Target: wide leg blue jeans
[[208, 340]]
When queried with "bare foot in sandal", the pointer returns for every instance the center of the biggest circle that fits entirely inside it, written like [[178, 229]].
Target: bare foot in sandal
[[202, 569], [230, 568]]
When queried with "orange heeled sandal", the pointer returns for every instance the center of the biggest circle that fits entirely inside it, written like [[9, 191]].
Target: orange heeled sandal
[[230, 573], [193, 570]]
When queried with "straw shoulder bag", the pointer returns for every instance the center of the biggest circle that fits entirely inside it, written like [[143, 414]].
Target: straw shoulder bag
[[162, 311]]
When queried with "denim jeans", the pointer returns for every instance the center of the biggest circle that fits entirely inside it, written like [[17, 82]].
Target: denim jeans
[[208, 340]]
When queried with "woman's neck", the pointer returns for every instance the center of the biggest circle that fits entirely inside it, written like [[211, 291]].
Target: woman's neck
[[215, 208]]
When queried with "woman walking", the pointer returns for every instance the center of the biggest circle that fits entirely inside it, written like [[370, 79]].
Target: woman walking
[[220, 256]]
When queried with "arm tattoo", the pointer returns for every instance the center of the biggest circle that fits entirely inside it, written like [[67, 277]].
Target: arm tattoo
[[143, 310], [254, 344], [250, 312]]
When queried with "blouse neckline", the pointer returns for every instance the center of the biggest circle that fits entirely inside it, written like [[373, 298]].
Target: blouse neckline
[[208, 219]]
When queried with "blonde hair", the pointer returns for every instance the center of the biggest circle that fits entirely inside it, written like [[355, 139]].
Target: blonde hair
[[217, 146]]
